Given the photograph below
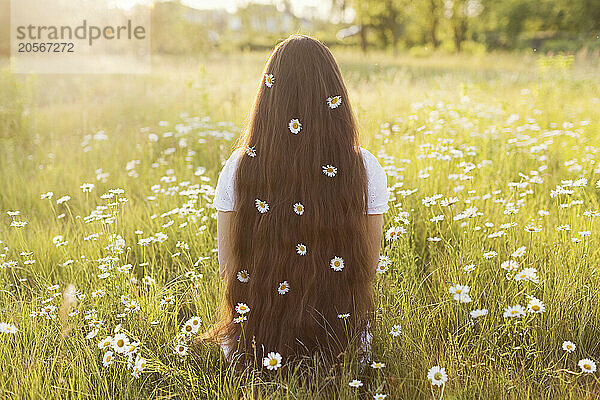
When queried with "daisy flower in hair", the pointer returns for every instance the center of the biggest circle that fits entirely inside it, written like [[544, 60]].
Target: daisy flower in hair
[[269, 80], [261, 206], [251, 151], [329, 170], [301, 249], [242, 308], [299, 208], [295, 126], [337, 263], [334, 101], [283, 288], [243, 276]]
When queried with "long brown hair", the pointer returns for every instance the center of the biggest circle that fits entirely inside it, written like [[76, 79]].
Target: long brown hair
[[287, 169]]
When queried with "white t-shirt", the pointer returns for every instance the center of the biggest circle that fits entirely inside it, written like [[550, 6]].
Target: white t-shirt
[[376, 184]]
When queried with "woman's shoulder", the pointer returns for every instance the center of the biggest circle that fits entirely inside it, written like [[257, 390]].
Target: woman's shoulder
[[371, 162]]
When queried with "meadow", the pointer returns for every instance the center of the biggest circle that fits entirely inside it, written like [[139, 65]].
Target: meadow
[[490, 259]]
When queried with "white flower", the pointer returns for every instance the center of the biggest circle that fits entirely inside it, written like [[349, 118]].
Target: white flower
[[269, 80], [295, 126], [105, 343], [379, 396], [250, 151], [394, 232], [334, 101], [283, 288], [107, 359], [437, 375], [478, 313], [355, 383], [120, 343], [509, 265], [243, 276], [535, 306], [587, 366], [515, 311], [460, 293], [396, 330], [87, 187], [242, 308], [261, 206], [377, 365], [337, 263], [301, 249], [272, 361], [520, 252], [527, 274], [329, 170], [469, 267], [568, 346], [383, 265], [299, 208], [181, 350]]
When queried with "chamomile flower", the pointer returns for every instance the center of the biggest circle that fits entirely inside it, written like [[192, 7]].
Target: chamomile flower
[[437, 375], [283, 288], [535, 306], [250, 151], [243, 276], [337, 263], [299, 208], [509, 265], [269, 80], [181, 350], [239, 319], [520, 252], [355, 383], [379, 396], [295, 126], [478, 313], [469, 267], [334, 101], [568, 346], [108, 358], [377, 365], [516, 311], [396, 330], [272, 361], [242, 308], [587, 366], [120, 343], [105, 343], [329, 170], [261, 206], [460, 293], [301, 249], [394, 232]]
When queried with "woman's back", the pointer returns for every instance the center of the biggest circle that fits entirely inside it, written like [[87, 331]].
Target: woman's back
[[300, 264]]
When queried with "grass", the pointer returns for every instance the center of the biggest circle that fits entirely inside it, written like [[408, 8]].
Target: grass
[[499, 132]]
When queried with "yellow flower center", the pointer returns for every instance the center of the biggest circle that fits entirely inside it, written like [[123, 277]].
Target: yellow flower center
[[514, 311], [334, 100], [438, 376], [587, 366], [272, 362], [120, 343], [459, 291], [295, 125], [535, 308]]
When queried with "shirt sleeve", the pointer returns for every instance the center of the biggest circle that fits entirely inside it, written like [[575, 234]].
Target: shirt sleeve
[[377, 184], [224, 193]]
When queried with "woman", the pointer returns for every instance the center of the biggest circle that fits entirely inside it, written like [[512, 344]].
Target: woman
[[299, 218]]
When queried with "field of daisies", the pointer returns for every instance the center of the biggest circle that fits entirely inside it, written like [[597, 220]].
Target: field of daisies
[[488, 284]]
